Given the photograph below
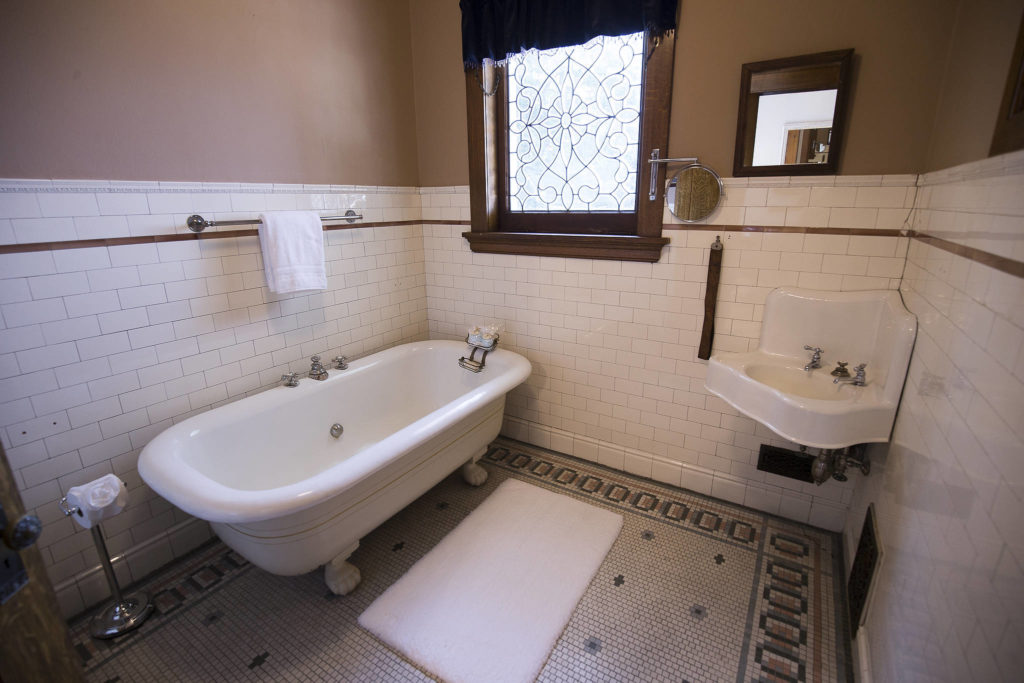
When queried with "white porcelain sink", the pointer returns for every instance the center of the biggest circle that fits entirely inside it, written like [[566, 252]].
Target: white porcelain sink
[[806, 406]]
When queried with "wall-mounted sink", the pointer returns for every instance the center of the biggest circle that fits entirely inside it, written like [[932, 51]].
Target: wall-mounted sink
[[806, 406]]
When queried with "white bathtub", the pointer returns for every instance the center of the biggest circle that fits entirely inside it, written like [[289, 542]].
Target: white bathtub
[[285, 494]]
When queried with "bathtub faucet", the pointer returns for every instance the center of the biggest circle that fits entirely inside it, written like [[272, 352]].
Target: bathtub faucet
[[291, 379], [316, 370]]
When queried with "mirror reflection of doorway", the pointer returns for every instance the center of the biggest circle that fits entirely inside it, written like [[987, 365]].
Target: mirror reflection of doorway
[[807, 145], [779, 115]]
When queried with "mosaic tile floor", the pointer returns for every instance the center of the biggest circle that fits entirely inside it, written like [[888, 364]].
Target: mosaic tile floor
[[694, 589]]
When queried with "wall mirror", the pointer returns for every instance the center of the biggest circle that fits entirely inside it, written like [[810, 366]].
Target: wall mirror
[[792, 115], [693, 193]]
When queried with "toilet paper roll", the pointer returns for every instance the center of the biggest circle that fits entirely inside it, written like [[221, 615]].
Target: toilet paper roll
[[98, 500]]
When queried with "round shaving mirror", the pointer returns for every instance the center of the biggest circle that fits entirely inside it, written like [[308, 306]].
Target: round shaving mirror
[[694, 193]]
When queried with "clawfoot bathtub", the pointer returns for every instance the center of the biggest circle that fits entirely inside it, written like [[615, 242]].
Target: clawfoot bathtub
[[281, 489]]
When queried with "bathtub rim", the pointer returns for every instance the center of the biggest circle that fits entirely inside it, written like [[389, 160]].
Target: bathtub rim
[[164, 468]]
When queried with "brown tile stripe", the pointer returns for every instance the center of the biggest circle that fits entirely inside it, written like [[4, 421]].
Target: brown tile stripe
[[187, 237], [1002, 263], [871, 232], [225, 234]]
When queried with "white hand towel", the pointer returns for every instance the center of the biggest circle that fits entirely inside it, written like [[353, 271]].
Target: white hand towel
[[293, 251]]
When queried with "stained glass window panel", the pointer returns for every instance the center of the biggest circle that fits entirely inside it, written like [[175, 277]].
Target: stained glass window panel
[[574, 126]]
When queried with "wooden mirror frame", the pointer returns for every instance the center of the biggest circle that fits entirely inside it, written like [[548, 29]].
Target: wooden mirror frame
[[805, 73]]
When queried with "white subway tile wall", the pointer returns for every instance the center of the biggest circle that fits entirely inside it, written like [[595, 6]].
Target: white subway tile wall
[[871, 202], [980, 205], [102, 348], [116, 343], [949, 601], [613, 345]]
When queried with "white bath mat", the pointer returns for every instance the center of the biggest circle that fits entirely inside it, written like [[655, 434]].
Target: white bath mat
[[490, 600]]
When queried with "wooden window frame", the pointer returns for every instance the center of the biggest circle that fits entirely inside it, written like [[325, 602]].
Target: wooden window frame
[[622, 237]]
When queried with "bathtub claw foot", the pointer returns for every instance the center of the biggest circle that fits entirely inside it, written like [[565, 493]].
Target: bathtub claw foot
[[341, 576], [474, 474]]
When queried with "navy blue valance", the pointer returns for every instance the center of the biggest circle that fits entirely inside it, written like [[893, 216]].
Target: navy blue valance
[[492, 29]]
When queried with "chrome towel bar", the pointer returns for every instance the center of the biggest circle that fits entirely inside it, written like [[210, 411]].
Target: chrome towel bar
[[197, 223]]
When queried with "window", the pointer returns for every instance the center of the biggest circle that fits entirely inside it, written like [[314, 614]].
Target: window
[[559, 150], [573, 127]]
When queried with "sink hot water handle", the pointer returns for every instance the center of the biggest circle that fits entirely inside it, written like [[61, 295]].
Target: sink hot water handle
[[815, 357]]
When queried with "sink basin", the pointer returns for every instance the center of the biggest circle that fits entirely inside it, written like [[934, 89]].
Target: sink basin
[[797, 381], [771, 386]]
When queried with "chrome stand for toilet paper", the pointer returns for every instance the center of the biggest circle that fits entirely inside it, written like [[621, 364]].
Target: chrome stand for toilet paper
[[126, 613]]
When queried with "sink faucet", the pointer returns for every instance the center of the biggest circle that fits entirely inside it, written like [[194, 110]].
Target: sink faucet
[[815, 358], [857, 380], [316, 370]]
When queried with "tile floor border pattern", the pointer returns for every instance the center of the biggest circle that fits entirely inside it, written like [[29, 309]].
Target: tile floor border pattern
[[708, 517], [792, 629], [795, 612], [183, 582]]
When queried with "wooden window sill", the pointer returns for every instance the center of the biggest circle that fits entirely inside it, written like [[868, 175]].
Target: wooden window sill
[[608, 247]]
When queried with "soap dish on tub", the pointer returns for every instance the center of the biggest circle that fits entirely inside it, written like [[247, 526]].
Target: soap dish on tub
[[471, 363]]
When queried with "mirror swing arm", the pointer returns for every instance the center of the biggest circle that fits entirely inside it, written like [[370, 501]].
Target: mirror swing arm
[[656, 159], [693, 193]]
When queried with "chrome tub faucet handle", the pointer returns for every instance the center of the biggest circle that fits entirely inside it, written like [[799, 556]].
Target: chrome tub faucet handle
[[340, 362], [291, 379], [316, 370]]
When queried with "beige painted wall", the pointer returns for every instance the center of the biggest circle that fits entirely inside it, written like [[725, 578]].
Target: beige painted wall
[[440, 92], [903, 49], [977, 66], [356, 92], [310, 91]]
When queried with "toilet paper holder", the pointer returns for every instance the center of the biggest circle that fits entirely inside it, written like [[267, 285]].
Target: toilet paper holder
[[69, 509], [127, 613]]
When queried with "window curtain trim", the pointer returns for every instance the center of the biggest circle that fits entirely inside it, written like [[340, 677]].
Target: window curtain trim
[[492, 29]]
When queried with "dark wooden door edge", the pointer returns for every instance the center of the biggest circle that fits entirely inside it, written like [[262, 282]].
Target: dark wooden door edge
[[36, 645]]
